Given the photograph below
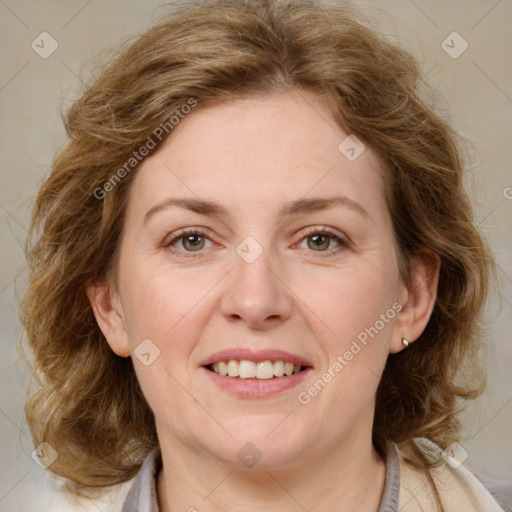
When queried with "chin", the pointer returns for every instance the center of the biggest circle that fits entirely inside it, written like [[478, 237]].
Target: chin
[[264, 442]]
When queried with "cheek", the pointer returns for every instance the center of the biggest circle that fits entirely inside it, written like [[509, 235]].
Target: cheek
[[349, 301], [354, 315], [158, 300]]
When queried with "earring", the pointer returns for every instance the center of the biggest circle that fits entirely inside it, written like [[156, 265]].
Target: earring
[[405, 343]]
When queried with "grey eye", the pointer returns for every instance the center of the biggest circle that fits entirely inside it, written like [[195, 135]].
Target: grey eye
[[195, 241]]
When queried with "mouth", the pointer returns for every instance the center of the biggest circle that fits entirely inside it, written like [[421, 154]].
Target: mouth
[[259, 370], [248, 373]]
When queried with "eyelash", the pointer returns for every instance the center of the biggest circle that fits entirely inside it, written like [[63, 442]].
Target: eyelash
[[323, 231]]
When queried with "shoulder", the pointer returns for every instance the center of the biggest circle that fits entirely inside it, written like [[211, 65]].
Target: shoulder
[[500, 490], [128, 496], [47, 495], [458, 486]]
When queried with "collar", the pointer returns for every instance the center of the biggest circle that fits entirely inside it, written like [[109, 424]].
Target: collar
[[143, 498]]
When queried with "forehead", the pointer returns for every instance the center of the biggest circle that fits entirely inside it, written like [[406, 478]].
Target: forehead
[[260, 151]]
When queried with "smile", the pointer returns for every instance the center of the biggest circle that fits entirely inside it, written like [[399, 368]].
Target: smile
[[250, 373], [246, 369]]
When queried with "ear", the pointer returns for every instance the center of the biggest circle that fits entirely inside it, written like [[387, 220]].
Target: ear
[[418, 300], [109, 315]]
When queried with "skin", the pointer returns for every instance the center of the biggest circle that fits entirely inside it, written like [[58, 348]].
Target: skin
[[252, 156]]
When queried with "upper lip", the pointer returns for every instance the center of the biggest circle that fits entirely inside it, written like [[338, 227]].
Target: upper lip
[[255, 355]]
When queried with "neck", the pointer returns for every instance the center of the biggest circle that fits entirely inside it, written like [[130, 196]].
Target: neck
[[337, 480]]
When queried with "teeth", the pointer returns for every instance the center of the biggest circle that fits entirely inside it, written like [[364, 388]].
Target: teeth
[[223, 368], [265, 370], [245, 369], [233, 368], [279, 368]]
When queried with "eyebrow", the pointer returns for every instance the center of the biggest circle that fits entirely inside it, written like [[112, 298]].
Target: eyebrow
[[296, 207]]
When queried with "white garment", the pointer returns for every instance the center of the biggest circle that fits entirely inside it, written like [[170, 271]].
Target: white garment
[[460, 489]]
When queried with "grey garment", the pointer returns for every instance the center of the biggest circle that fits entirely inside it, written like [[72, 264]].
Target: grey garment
[[500, 491], [142, 496]]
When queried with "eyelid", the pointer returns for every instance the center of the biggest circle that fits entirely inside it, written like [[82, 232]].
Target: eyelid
[[176, 235], [323, 230]]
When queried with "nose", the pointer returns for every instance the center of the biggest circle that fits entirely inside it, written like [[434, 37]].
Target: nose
[[256, 294]]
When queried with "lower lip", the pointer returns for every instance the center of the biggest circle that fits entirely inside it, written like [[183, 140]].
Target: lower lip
[[256, 388]]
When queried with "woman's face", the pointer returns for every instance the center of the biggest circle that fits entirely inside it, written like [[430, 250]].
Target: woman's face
[[294, 263]]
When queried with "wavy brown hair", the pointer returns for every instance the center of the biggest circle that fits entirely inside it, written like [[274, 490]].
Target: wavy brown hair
[[88, 404]]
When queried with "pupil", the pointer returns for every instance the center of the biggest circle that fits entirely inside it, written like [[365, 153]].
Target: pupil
[[190, 239], [317, 240]]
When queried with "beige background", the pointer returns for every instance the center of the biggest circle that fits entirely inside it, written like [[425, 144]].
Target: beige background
[[475, 93]]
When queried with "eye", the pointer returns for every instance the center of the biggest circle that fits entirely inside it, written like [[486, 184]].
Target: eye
[[319, 240], [191, 240]]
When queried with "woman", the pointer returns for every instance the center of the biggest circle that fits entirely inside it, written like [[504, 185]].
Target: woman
[[255, 275]]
